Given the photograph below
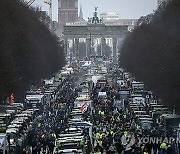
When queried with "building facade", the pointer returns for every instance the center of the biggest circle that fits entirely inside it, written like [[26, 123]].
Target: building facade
[[67, 12]]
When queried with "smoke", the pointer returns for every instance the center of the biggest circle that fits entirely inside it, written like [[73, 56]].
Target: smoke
[[28, 51], [152, 53]]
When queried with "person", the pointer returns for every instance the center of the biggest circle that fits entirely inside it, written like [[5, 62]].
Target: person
[[111, 149], [51, 147], [38, 147], [24, 151]]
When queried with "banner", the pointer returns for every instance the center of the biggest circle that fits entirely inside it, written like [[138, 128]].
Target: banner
[[83, 108]]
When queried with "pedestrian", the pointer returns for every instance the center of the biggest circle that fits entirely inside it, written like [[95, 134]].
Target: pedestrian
[[51, 147]]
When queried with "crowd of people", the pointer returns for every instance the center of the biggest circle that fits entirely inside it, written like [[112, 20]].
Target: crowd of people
[[116, 130], [45, 128]]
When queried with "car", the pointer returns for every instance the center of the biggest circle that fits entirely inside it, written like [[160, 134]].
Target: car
[[69, 151]]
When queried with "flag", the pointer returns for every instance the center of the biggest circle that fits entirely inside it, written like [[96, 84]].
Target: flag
[[83, 108]]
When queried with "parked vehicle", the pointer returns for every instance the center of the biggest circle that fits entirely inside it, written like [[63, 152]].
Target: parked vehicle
[[4, 144]]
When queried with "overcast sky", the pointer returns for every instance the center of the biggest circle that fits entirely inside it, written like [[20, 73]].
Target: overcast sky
[[127, 9]]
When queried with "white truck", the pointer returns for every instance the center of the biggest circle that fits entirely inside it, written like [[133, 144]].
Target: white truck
[[36, 100], [4, 145]]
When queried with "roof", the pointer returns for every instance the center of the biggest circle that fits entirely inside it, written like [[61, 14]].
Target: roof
[[109, 13]]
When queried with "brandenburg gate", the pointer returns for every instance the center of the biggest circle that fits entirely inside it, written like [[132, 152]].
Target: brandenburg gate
[[92, 29]]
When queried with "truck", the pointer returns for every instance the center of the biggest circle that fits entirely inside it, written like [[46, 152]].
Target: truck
[[36, 100], [136, 85], [4, 144]]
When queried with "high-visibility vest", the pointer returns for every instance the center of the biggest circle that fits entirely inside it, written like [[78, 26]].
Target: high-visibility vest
[[111, 133], [101, 136], [112, 118], [163, 145], [87, 85], [118, 118], [102, 113], [125, 133], [39, 125], [100, 143], [98, 135], [53, 135], [82, 142], [43, 136]]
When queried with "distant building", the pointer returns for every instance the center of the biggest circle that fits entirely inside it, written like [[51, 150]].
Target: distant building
[[106, 16], [81, 14], [67, 12]]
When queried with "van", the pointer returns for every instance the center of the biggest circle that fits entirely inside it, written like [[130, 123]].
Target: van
[[102, 95], [85, 125], [4, 145], [34, 100], [136, 85], [68, 142]]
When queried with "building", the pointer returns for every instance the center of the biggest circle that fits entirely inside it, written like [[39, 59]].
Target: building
[[107, 16], [81, 14], [97, 33], [67, 12]]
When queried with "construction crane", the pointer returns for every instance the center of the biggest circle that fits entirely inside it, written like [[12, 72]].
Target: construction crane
[[49, 2], [30, 2]]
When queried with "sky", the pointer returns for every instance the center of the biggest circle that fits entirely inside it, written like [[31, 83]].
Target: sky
[[127, 9]]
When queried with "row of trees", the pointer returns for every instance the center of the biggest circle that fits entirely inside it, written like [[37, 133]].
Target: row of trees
[[152, 53], [28, 51]]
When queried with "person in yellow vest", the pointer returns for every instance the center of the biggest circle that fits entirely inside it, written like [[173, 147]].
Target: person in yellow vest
[[87, 85], [118, 119], [98, 136], [112, 133], [102, 113], [53, 135], [100, 145], [96, 151], [82, 143], [39, 125], [43, 136], [163, 145], [112, 118]]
